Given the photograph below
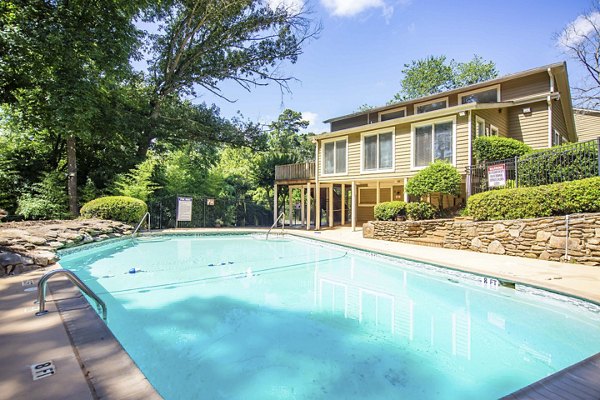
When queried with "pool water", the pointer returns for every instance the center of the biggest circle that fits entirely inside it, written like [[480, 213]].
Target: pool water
[[239, 317]]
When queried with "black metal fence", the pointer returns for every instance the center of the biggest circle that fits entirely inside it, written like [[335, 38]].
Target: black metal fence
[[560, 164], [210, 212]]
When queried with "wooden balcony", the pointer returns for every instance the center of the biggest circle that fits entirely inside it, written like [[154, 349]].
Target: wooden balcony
[[295, 172]]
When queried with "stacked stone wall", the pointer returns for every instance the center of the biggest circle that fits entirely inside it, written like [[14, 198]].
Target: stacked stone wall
[[541, 238]]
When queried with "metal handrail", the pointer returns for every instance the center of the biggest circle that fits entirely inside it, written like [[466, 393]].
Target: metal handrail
[[282, 215], [43, 284], [140, 224]]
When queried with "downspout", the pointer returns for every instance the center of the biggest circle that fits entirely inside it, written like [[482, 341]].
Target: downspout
[[469, 178], [317, 189], [549, 101]]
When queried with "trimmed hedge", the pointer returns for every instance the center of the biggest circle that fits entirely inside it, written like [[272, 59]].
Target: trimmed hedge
[[533, 202], [438, 177], [118, 208], [494, 148], [389, 210], [420, 210]]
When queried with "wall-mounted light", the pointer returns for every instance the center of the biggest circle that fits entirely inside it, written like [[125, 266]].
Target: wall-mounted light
[[462, 114], [526, 110]]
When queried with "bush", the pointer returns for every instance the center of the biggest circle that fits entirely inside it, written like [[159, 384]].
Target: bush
[[118, 208], [389, 210], [494, 148], [540, 201], [420, 210], [438, 177], [40, 208], [568, 162]]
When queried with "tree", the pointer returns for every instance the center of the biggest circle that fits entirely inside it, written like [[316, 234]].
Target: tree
[[433, 75], [439, 177], [580, 40]]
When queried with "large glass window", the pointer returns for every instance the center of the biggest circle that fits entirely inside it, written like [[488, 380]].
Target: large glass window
[[378, 151], [334, 157], [432, 106], [392, 114], [433, 142], [484, 96]]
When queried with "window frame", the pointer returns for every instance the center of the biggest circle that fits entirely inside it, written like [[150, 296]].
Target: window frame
[[417, 105], [393, 110], [432, 122], [479, 119], [377, 132], [485, 89], [359, 202], [494, 128], [335, 139]]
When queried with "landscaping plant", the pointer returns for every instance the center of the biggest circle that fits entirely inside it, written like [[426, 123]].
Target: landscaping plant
[[390, 210], [494, 148], [419, 210], [118, 208]]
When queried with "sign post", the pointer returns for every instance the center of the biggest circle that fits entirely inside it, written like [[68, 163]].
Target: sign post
[[496, 175], [184, 210]]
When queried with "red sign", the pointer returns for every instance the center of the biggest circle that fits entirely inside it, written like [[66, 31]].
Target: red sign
[[496, 175]]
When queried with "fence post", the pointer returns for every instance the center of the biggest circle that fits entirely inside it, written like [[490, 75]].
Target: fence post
[[516, 171], [598, 150], [469, 182]]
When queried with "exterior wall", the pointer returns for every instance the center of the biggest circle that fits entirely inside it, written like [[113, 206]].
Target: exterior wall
[[527, 86], [349, 123], [587, 125], [558, 118], [530, 128], [495, 116], [542, 238]]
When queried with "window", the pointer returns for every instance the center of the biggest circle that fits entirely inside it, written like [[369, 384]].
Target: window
[[392, 114], [378, 151], [493, 130], [432, 142], [487, 95], [334, 157], [431, 106], [479, 127], [557, 138]]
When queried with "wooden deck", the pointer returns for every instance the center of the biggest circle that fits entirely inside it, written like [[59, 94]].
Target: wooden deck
[[295, 172], [580, 381]]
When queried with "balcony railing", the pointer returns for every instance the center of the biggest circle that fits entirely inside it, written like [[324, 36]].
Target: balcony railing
[[295, 172]]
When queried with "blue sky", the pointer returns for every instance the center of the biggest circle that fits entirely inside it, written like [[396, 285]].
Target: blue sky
[[364, 44]]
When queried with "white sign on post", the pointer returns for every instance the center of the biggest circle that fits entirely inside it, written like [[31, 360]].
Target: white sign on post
[[496, 175], [184, 209]]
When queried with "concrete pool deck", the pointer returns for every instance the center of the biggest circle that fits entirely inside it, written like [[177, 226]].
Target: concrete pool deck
[[27, 340]]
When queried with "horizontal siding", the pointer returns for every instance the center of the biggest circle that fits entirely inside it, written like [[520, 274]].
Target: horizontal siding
[[497, 117], [462, 143], [349, 123], [587, 126], [531, 128], [526, 86], [558, 118]]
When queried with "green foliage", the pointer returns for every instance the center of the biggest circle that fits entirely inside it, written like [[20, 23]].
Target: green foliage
[[439, 177], [118, 208], [138, 181], [493, 148], [432, 75], [419, 211], [389, 210], [568, 162], [540, 201], [46, 200]]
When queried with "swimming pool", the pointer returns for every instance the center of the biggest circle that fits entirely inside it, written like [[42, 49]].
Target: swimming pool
[[239, 317]]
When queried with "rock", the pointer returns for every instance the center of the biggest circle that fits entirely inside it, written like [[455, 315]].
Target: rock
[[44, 258], [74, 236], [476, 242], [368, 230], [56, 245], [514, 232], [542, 236], [559, 243], [87, 238], [7, 259], [495, 247], [545, 255], [597, 234], [499, 228], [36, 240]]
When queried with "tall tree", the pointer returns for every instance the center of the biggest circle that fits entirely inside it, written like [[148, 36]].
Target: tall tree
[[432, 75]]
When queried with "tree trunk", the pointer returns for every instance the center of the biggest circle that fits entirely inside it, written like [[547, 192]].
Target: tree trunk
[[146, 141], [72, 176]]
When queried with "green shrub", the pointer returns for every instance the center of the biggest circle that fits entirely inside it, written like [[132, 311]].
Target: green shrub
[[540, 201], [419, 210], [118, 208], [493, 148], [40, 208], [568, 162], [389, 210], [438, 177]]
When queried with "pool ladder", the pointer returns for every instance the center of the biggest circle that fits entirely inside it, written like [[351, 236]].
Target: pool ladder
[[282, 218], [43, 285], [137, 228]]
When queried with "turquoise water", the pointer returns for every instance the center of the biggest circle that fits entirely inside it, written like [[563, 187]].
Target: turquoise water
[[238, 317]]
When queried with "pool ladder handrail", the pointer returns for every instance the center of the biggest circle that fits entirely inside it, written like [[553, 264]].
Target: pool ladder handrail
[[282, 218], [140, 224], [43, 284]]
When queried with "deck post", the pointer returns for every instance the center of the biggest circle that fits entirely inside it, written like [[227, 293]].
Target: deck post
[[330, 206], [302, 207], [343, 218], [308, 205], [405, 194], [354, 202], [378, 193], [290, 192], [317, 190], [274, 203]]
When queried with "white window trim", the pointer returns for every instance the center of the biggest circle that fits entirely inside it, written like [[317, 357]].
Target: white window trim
[[393, 110], [426, 123], [478, 119], [391, 130], [417, 105], [485, 89], [336, 139], [494, 128], [360, 197]]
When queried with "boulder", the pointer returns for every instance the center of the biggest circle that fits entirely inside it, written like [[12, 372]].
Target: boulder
[[495, 247], [44, 258]]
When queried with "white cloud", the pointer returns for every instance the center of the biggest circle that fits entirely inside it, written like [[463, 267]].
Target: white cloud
[[349, 8], [577, 30], [293, 6], [315, 125]]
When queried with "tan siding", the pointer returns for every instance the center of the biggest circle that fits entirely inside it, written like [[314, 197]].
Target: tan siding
[[526, 86], [497, 117], [354, 154], [365, 213], [349, 123], [587, 126], [531, 128], [558, 118], [462, 143]]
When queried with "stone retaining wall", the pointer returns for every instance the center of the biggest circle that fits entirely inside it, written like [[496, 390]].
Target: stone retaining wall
[[542, 238], [28, 245]]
